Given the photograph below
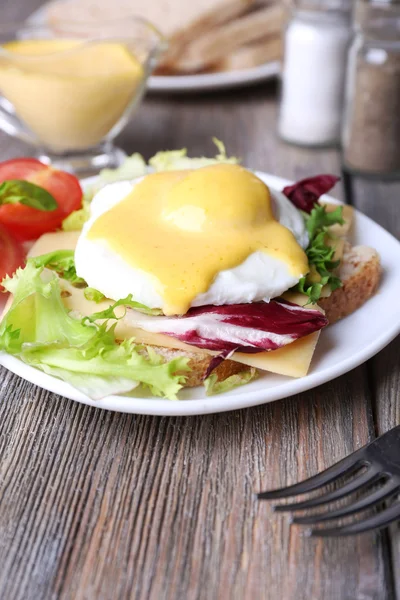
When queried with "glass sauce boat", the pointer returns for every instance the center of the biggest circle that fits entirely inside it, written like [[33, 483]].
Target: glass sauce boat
[[70, 92]]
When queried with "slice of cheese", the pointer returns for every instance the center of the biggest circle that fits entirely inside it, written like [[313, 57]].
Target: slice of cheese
[[292, 360]]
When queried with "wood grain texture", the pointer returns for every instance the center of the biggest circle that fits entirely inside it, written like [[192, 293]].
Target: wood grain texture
[[96, 505], [100, 505], [381, 201]]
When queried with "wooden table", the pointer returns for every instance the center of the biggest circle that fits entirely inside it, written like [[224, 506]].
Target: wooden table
[[96, 505]]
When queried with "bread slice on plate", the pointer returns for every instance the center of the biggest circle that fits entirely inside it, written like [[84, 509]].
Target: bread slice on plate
[[251, 55], [220, 41], [360, 271]]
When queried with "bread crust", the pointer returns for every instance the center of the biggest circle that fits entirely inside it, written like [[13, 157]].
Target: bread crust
[[199, 363], [360, 272]]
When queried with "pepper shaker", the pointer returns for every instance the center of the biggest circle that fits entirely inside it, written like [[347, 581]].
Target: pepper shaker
[[315, 54], [371, 131]]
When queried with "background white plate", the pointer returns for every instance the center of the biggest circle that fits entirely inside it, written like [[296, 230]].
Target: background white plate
[[195, 83], [341, 347], [206, 82]]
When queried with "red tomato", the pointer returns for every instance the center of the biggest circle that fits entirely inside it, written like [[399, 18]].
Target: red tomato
[[28, 223], [12, 254]]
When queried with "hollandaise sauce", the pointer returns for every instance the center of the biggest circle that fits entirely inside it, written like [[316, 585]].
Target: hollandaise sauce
[[69, 93], [184, 227]]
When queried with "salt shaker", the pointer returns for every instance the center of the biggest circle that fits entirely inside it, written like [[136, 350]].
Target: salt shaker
[[315, 54], [371, 129]]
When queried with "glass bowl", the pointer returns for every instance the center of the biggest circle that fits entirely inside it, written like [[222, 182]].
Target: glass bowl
[[69, 92]]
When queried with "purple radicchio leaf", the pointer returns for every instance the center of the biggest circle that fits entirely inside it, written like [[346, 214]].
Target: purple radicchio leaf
[[250, 328], [217, 360], [305, 193]]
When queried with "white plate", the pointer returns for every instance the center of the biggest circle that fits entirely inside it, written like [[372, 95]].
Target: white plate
[[341, 347], [195, 83], [213, 81]]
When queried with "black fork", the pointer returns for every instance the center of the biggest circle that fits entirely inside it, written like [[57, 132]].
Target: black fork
[[377, 463]]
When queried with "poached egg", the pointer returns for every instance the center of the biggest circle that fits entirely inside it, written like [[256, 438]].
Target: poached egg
[[177, 239]]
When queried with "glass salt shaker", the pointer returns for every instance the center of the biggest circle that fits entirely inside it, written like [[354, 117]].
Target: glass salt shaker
[[371, 128], [315, 54]]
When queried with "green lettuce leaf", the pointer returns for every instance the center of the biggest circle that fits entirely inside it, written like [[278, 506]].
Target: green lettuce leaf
[[39, 330], [94, 386], [62, 262], [319, 253], [38, 313], [76, 220], [132, 167], [109, 313], [177, 159], [319, 219], [213, 386], [93, 295]]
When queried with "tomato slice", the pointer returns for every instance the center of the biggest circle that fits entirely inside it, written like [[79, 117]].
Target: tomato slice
[[12, 254], [25, 222]]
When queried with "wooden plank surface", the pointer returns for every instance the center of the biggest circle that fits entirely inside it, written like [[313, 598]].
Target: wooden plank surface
[[381, 201], [101, 505]]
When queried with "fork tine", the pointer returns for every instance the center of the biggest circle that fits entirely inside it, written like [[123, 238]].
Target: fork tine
[[345, 466], [378, 521], [389, 489], [355, 484]]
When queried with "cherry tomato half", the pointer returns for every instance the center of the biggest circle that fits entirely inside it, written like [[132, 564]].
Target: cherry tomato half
[[12, 254], [25, 222]]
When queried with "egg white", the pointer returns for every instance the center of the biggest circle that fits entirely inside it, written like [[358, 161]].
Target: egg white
[[259, 277]]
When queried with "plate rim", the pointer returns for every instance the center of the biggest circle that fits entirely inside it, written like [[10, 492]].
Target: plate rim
[[221, 402], [214, 81]]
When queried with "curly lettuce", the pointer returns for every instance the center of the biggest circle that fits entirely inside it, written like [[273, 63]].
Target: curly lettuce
[[173, 160], [132, 167], [76, 220], [213, 386], [320, 252], [61, 262], [39, 330]]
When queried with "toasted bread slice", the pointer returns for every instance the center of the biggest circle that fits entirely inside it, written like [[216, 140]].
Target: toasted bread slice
[[199, 363], [252, 55], [216, 43], [360, 271]]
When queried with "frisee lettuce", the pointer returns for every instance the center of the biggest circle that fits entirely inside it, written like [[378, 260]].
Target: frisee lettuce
[[62, 262], [213, 386], [39, 330], [93, 295], [319, 253], [173, 160], [319, 219], [132, 167], [76, 220], [109, 313]]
